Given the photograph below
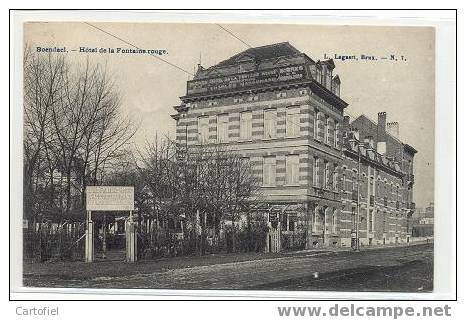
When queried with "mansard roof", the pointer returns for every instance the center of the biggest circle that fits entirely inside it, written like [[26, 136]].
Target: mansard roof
[[258, 54]]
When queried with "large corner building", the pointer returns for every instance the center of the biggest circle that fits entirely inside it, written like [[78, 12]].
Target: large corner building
[[322, 175]]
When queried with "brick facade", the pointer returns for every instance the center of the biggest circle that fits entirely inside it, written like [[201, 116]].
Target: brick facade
[[283, 112]]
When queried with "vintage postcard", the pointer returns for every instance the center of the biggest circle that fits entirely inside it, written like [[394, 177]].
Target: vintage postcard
[[228, 156]]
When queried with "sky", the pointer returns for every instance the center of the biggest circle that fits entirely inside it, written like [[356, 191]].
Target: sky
[[405, 89]]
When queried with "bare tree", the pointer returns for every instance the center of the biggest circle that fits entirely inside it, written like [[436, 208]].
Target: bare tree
[[43, 87], [73, 129]]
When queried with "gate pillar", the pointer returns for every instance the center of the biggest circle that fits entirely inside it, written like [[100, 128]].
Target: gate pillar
[[89, 245], [131, 241]]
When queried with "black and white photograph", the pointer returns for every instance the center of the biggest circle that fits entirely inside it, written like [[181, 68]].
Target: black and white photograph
[[228, 156]]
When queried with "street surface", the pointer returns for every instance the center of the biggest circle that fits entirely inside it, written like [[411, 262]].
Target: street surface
[[402, 269]]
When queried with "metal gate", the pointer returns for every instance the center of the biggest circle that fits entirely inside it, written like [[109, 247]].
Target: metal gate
[[273, 241]]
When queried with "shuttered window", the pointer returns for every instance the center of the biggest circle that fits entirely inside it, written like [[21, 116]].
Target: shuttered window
[[292, 122], [270, 123], [222, 128], [203, 129], [292, 169], [269, 172], [245, 125]]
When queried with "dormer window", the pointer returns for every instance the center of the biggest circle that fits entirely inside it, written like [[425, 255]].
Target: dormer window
[[319, 75], [336, 85], [328, 79], [336, 88]]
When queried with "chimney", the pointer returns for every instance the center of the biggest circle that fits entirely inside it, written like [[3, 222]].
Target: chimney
[[393, 128], [346, 120], [382, 147], [381, 126]]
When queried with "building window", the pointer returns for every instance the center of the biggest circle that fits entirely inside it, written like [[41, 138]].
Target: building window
[[319, 75], [289, 222], [354, 181], [281, 95], [335, 178], [316, 122], [292, 122], [334, 221], [270, 123], [343, 187], [203, 129], [336, 88], [245, 125], [326, 175], [315, 172], [237, 100], [222, 128], [253, 98], [292, 169], [336, 134], [269, 172], [327, 131], [316, 217], [328, 83], [319, 126]]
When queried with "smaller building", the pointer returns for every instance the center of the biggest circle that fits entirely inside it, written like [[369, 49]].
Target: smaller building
[[377, 181], [423, 224]]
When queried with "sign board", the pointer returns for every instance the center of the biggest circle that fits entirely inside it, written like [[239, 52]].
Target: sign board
[[247, 79], [109, 198]]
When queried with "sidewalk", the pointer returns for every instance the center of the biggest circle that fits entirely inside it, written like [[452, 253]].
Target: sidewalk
[[323, 250], [237, 271]]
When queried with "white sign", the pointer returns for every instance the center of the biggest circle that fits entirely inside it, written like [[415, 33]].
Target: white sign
[[109, 198]]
